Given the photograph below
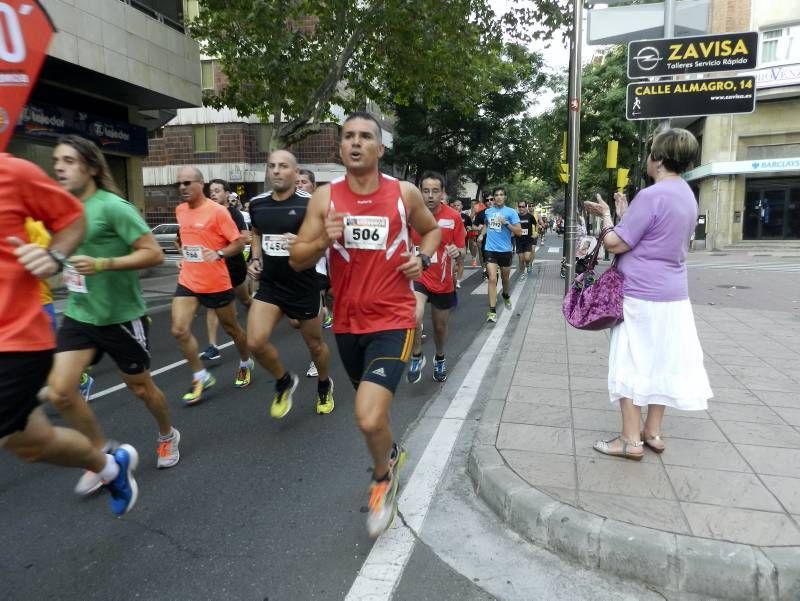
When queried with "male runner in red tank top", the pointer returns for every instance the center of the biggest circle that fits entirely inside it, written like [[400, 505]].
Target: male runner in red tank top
[[362, 221]]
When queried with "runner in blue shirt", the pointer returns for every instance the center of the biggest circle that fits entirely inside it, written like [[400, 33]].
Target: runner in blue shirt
[[501, 223]]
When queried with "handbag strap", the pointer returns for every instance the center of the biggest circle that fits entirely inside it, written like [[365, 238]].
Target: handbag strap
[[594, 256]]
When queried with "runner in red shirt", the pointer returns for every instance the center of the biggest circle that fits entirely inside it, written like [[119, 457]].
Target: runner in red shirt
[[26, 335], [362, 220], [436, 285]]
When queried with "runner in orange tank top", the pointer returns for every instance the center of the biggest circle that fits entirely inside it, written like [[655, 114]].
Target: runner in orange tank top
[[362, 222]]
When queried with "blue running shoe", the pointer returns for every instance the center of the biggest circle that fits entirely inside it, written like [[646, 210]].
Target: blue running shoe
[[415, 368], [211, 353], [85, 386], [439, 370], [124, 490]]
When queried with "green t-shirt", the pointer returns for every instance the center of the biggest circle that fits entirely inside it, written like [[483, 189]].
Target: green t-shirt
[[112, 226]]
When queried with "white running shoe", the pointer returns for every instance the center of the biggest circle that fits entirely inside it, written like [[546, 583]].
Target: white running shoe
[[89, 483], [312, 371], [168, 453]]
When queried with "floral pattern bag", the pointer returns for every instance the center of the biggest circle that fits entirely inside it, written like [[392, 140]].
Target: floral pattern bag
[[594, 303]]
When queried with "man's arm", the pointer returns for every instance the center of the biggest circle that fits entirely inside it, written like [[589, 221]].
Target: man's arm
[[146, 253], [38, 260], [319, 230]]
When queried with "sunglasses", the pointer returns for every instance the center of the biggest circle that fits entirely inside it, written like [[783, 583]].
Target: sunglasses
[[186, 183]]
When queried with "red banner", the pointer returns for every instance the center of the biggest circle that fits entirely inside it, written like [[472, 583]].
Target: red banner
[[25, 34]]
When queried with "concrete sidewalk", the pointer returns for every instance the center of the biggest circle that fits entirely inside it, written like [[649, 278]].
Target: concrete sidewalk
[[715, 516]]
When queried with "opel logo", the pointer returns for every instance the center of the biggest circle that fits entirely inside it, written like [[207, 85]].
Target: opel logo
[[647, 58]]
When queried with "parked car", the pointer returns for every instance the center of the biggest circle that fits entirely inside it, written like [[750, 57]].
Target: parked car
[[166, 234]]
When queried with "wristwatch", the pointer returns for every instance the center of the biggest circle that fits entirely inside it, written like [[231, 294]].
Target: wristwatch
[[58, 257], [426, 261], [221, 255]]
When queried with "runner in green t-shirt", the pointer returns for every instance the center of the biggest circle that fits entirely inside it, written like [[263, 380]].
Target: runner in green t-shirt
[[105, 312]]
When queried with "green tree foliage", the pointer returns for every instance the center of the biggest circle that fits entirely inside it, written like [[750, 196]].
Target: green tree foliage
[[487, 141], [602, 119], [290, 61]]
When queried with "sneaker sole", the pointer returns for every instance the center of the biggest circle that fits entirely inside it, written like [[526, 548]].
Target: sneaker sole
[[289, 400], [132, 465]]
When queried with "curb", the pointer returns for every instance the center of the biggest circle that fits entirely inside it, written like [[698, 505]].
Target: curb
[[689, 566]]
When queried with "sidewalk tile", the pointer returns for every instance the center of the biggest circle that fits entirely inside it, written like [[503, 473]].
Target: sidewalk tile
[[786, 489], [691, 428], [583, 370], [731, 360], [535, 379], [536, 394], [792, 416], [771, 460], [596, 419], [565, 495], [720, 381], [765, 435], [776, 384], [743, 413], [589, 384], [547, 358], [778, 399], [543, 369], [538, 415], [736, 395], [704, 454], [671, 412], [712, 367], [586, 399], [542, 469], [721, 488], [741, 525], [651, 513], [535, 438], [622, 476]]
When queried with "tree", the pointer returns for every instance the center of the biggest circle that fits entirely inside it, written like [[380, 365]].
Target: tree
[[486, 141], [290, 61]]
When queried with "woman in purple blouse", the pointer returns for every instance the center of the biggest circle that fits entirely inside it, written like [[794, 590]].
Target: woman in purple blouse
[[655, 359]]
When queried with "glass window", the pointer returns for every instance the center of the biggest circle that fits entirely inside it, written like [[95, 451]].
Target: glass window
[[207, 75], [780, 45], [156, 134], [191, 10], [205, 138]]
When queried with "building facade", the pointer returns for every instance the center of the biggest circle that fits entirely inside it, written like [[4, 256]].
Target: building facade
[[115, 70], [748, 180]]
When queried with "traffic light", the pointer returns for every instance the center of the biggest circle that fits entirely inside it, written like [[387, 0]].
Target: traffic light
[[563, 174], [611, 154]]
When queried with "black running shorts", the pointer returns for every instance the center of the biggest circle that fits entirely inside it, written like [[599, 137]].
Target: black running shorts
[[525, 246], [126, 343], [22, 374], [237, 269], [501, 259], [300, 305], [443, 301], [212, 300], [378, 357]]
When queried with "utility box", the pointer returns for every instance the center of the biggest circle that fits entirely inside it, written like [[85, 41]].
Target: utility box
[[699, 240]]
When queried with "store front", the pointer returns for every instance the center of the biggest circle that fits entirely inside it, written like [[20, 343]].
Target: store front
[[772, 209]]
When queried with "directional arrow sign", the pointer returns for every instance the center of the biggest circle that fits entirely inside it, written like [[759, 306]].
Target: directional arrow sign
[[25, 32], [699, 54], [690, 98]]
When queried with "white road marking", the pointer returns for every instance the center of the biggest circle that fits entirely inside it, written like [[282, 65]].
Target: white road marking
[[381, 572], [553, 249], [483, 287], [160, 370], [780, 267]]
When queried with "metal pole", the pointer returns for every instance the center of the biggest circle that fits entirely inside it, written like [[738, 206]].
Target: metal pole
[[573, 139], [669, 32]]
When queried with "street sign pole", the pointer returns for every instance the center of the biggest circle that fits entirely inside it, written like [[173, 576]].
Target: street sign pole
[[573, 139], [669, 31]]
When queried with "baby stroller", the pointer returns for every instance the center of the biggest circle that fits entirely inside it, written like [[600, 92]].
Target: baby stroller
[[583, 248]]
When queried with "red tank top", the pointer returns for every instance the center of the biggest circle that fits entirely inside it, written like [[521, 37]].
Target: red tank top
[[369, 294]]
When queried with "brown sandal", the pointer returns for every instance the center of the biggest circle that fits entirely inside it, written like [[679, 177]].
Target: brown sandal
[[602, 446], [654, 442]]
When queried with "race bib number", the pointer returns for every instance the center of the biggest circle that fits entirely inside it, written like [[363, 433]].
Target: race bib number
[[193, 254], [434, 256], [494, 224], [74, 281], [366, 232], [275, 245], [524, 232]]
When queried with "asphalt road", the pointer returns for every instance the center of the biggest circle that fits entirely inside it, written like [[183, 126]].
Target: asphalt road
[[257, 509]]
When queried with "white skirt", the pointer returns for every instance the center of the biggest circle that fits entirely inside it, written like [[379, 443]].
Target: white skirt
[[655, 356]]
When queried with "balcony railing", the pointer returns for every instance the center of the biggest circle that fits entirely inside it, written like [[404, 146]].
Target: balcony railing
[[168, 12]]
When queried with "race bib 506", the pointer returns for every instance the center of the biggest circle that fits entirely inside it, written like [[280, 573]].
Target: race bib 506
[[366, 232]]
